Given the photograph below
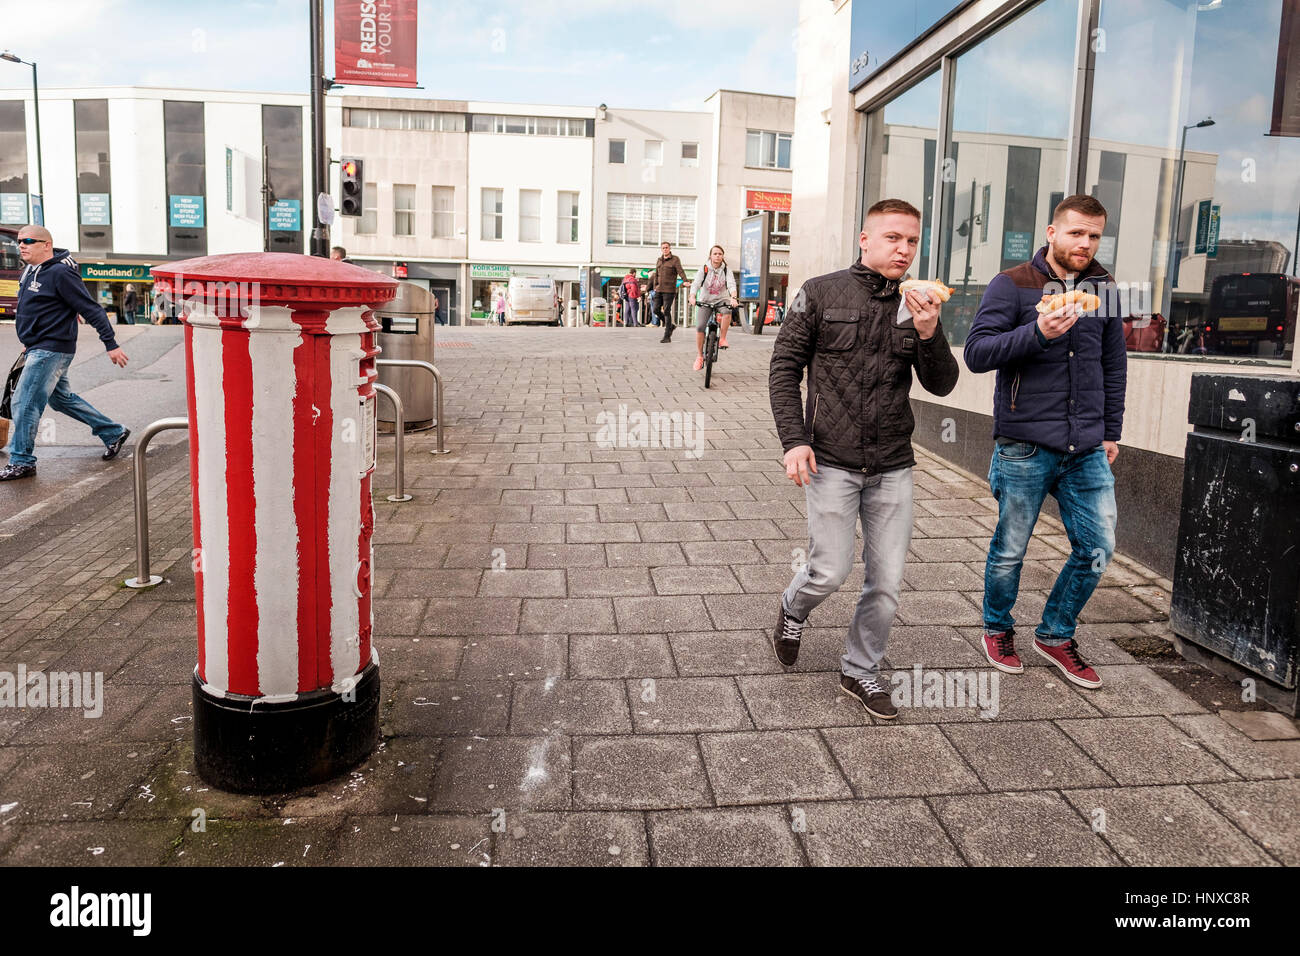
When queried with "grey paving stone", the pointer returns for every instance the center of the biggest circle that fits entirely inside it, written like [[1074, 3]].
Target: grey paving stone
[[882, 761], [638, 773], [771, 767], [930, 646], [562, 556], [610, 582], [695, 580], [820, 651], [569, 706], [522, 583], [1131, 690], [789, 701], [507, 772], [884, 833], [948, 527], [417, 658], [741, 612], [723, 653], [595, 496], [527, 533], [1034, 695], [1262, 724], [567, 615], [438, 708], [600, 533], [942, 576], [1145, 750], [1025, 755], [755, 836], [103, 843], [698, 511], [532, 496], [400, 616], [1166, 826], [1022, 829], [765, 578], [661, 614], [673, 531], [632, 512], [1116, 604], [620, 655], [651, 494], [721, 552], [936, 607], [411, 555], [947, 549], [573, 839], [1269, 811], [515, 657], [77, 782], [443, 840], [484, 556], [686, 705], [473, 615], [564, 514], [1250, 758], [645, 555]]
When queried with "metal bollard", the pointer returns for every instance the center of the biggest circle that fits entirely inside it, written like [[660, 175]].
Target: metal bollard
[[399, 432], [140, 472], [437, 379]]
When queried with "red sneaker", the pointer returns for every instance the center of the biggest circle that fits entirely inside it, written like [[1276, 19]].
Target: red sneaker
[[1000, 649], [1067, 658]]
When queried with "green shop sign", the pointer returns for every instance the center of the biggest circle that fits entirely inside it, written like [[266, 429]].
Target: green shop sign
[[115, 273], [477, 271]]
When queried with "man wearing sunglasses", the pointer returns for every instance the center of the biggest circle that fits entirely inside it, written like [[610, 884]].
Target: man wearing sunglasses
[[50, 297]]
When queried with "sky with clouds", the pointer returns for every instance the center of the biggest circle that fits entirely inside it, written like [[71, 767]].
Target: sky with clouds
[[629, 53]]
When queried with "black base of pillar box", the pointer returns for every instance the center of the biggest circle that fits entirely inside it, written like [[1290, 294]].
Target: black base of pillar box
[[277, 747]]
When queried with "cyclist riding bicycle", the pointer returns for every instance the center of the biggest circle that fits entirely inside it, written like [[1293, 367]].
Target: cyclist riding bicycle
[[713, 291]]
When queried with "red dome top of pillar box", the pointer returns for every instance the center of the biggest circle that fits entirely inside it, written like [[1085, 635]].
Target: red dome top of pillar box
[[283, 278]]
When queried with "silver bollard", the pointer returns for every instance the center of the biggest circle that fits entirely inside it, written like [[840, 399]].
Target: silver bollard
[[399, 432], [140, 472], [437, 379]]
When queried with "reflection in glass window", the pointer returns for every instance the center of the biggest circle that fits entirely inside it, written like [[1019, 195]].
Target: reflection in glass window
[[282, 135], [185, 174], [1192, 158], [903, 137], [13, 155], [90, 121], [493, 203], [617, 151], [1010, 119]]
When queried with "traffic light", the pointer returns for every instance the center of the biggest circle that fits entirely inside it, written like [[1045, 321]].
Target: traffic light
[[352, 183]]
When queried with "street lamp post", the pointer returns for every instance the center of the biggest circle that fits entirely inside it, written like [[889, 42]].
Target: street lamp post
[[1171, 264], [36, 102]]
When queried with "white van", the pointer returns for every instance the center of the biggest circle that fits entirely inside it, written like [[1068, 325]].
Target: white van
[[531, 299]]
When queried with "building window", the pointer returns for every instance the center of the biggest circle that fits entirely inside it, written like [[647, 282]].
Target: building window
[[405, 119], [403, 210], [282, 135], [780, 234], [1200, 189], [767, 150], [1019, 153], [530, 215], [635, 220], [654, 152], [90, 121], [368, 224], [618, 151], [690, 154], [493, 204], [187, 233], [566, 229], [529, 125], [444, 212], [13, 163]]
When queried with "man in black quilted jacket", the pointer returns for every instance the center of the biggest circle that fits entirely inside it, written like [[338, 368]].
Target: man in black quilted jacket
[[849, 443]]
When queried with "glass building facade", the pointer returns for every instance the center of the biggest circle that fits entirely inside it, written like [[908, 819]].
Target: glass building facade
[[1179, 116]]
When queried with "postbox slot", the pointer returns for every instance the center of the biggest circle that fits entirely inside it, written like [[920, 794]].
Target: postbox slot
[[399, 324]]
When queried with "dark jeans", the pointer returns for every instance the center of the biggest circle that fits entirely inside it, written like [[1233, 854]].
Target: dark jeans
[[664, 308], [1021, 475]]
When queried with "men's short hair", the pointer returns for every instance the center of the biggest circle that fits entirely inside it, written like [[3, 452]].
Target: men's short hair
[[888, 206], [1080, 203], [340, 250]]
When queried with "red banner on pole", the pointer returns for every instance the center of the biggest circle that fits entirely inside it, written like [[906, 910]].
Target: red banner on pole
[[374, 42]]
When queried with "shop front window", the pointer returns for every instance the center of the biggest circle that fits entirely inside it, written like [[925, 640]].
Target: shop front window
[[1006, 165], [903, 137], [1200, 174]]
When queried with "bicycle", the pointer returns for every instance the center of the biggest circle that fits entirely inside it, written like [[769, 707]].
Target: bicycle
[[710, 346]]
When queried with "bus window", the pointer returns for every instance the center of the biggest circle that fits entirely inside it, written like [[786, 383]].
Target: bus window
[[11, 267]]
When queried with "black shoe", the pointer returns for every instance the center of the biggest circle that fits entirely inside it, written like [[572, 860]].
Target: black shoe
[[665, 339], [786, 637], [14, 472], [114, 448], [871, 694]]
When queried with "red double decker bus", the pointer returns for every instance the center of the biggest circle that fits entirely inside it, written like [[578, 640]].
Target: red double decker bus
[[11, 267]]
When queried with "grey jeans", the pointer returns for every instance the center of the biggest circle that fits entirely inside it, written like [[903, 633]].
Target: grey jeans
[[836, 500]]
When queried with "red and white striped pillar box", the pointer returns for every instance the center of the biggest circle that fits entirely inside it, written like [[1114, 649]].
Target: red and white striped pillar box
[[280, 371]]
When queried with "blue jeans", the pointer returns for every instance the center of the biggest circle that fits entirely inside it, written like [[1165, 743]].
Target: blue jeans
[[45, 381], [1021, 475]]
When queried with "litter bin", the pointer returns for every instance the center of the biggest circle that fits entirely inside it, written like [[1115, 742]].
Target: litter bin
[[406, 332], [1237, 567], [572, 316], [599, 311]]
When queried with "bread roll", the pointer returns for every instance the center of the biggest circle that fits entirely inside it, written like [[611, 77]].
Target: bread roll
[[1087, 302], [940, 291]]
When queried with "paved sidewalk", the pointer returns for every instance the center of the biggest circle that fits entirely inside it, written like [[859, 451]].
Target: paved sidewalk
[[572, 649]]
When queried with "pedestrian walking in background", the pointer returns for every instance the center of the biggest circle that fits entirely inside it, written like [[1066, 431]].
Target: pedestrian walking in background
[[1058, 411], [499, 307], [667, 272], [50, 297], [130, 302], [631, 297]]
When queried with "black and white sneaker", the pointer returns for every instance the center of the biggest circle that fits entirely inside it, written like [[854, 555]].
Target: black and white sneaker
[[116, 447], [14, 472], [871, 694], [786, 637]]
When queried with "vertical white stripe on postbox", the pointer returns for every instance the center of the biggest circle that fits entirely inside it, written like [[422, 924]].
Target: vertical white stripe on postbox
[[345, 503], [275, 570], [210, 412]]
